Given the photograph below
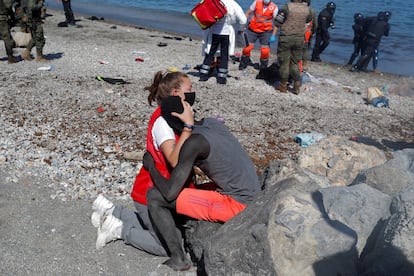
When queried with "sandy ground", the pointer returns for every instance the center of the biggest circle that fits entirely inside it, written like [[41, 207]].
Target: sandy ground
[[44, 236]]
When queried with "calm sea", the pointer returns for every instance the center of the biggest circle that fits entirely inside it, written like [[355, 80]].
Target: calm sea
[[396, 54]]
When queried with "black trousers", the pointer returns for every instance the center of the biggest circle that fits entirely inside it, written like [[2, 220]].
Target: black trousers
[[68, 11], [223, 41], [321, 42]]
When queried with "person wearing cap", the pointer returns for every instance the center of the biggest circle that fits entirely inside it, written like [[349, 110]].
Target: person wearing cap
[[134, 227], [375, 28], [359, 32], [218, 153], [261, 27], [325, 21]]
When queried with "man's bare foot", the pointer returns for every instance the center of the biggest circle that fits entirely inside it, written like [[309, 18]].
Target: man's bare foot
[[178, 265]]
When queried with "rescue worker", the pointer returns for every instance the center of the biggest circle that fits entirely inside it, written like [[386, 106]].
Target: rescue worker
[[291, 20], [359, 32], [35, 10], [311, 27], [375, 29], [5, 35], [260, 28], [325, 21]]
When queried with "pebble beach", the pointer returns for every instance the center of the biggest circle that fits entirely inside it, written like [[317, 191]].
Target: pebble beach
[[73, 136]]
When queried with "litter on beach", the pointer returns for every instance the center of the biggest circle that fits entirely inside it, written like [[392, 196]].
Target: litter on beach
[[46, 68]]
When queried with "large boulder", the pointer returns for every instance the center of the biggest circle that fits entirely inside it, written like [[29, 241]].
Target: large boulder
[[359, 207], [340, 159], [390, 249], [392, 176], [305, 223]]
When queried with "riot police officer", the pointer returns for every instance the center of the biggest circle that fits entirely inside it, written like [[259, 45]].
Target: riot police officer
[[325, 21], [359, 32]]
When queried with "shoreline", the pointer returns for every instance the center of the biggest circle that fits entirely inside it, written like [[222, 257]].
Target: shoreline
[[170, 22]]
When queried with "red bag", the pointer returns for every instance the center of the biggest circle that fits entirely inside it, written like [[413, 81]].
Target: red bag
[[208, 12]]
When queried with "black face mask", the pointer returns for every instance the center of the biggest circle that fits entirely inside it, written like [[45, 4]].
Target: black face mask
[[189, 97]]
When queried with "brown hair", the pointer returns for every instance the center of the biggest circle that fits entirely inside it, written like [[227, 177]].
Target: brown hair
[[162, 85]]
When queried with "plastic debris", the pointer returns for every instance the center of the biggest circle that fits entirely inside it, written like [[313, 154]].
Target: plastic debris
[[46, 68], [138, 59], [103, 62], [307, 139], [186, 67]]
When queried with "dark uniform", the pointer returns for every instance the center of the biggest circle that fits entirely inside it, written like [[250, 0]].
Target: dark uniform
[[325, 20], [35, 9], [5, 10], [359, 33], [375, 29], [291, 19], [70, 19]]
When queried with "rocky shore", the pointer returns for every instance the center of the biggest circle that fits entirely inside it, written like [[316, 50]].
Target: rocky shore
[[67, 136]]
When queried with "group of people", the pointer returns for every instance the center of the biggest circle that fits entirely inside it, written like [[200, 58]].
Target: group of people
[[368, 32], [29, 15], [296, 22]]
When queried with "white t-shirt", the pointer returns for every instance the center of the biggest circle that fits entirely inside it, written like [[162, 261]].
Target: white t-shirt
[[161, 132]]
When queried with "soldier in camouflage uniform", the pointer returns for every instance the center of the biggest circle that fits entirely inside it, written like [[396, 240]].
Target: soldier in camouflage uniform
[[5, 10], [291, 19], [35, 10]]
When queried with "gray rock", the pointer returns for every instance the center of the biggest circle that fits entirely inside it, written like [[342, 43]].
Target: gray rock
[[390, 249], [340, 159], [359, 207], [392, 176]]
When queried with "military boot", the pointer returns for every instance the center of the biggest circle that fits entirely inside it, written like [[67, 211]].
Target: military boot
[[26, 55], [11, 60], [244, 62], [296, 88], [282, 87], [39, 57]]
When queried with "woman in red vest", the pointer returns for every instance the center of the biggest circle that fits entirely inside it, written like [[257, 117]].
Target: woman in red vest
[[135, 228]]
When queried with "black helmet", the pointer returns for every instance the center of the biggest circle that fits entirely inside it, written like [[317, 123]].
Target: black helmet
[[358, 17], [387, 15], [331, 6], [381, 16]]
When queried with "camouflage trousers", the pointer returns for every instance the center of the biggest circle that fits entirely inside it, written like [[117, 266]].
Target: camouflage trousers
[[6, 37], [38, 39], [289, 53]]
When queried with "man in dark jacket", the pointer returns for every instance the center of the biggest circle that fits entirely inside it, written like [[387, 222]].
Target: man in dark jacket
[[325, 21], [375, 29]]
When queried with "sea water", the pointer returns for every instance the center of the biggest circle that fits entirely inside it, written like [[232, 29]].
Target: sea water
[[396, 54]]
